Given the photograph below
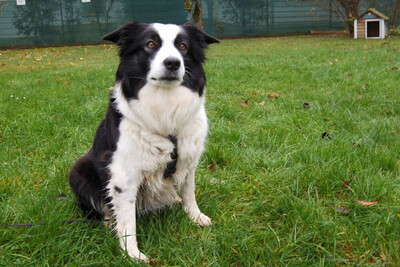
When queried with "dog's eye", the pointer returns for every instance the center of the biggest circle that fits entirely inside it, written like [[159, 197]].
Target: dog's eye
[[182, 47], [151, 44]]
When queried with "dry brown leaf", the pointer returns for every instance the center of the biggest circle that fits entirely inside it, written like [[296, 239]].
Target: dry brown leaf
[[245, 104], [273, 95], [67, 82], [243, 144], [306, 105], [212, 168], [366, 203], [346, 184], [262, 103], [364, 86]]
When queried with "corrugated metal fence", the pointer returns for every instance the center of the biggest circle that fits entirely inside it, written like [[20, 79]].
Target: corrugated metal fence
[[38, 22]]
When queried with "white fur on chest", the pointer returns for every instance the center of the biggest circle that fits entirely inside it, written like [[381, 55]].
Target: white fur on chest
[[162, 110], [143, 149]]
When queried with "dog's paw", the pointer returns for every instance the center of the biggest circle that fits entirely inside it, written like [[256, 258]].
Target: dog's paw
[[203, 220], [138, 256]]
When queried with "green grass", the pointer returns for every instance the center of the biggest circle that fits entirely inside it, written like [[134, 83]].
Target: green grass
[[275, 192]]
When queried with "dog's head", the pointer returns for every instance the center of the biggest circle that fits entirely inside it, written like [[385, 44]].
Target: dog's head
[[163, 55]]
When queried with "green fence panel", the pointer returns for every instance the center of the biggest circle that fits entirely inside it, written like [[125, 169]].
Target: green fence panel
[[43, 22]]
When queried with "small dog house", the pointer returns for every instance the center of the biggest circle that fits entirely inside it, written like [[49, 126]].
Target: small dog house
[[371, 25]]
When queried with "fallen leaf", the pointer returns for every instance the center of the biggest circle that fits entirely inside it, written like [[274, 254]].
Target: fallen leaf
[[306, 105], [341, 209], [111, 88], [267, 69], [154, 263], [262, 103], [273, 95], [330, 63], [235, 250], [1, 136], [346, 184], [230, 123], [67, 82], [325, 134], [245, 104], [40, 80], [349, 75], [57, 80], [212, 168], [243, 144], [394, 68], [366, 203], [329, 93], [364, 86]]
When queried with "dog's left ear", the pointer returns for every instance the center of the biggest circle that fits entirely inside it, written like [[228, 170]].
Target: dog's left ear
[[208, 39], [118, 34], [115, 35]]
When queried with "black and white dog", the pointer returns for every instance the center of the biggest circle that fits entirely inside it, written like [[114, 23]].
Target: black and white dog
[[147, 148]]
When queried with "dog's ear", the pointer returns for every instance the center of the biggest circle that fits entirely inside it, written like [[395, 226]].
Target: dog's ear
[[193, 28], [119, 33]]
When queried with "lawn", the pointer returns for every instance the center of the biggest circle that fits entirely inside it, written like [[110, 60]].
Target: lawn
[[279, 192]]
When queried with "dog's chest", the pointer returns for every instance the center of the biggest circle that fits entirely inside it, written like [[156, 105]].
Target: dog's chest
[[166, 110]]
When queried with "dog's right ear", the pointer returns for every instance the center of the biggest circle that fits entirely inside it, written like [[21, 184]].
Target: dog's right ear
[[117, 35]]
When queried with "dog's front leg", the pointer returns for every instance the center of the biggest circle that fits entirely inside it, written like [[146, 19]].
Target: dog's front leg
[[189, 201], [124, 194]]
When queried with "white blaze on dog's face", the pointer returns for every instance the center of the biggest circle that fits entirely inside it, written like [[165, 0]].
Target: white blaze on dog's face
[[167, 65]]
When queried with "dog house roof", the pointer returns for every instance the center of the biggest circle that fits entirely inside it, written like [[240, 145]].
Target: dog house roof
[[376, 12]]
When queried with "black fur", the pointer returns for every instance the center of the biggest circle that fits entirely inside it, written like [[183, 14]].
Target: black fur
[[171, 166]]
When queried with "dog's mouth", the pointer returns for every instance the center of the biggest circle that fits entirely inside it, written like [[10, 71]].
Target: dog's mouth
[[166, 78]]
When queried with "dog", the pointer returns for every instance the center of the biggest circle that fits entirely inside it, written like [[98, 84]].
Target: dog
[[146, 150]]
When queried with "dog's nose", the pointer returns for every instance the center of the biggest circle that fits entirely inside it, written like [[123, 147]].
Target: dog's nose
[[172, 63]]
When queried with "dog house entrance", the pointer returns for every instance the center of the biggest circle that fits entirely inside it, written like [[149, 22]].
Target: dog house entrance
[[373, 29]]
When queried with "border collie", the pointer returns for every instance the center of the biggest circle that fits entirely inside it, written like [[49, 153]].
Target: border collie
[[146, 150]]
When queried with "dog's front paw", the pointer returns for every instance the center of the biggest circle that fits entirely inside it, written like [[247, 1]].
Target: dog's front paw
[[202, 220], [137, 255]]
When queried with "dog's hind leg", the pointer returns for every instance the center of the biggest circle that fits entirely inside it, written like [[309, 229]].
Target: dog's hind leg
[[85, 184]]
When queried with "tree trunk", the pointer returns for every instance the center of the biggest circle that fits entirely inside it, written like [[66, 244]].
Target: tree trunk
[[396, 14], [195, 11]]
